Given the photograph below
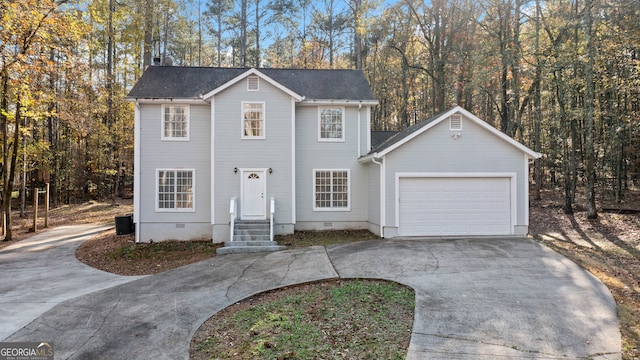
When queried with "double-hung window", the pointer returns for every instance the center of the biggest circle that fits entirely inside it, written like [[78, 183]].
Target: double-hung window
[[331, 124], [175, 122], [253, 120], [331, 190], [175, 189]]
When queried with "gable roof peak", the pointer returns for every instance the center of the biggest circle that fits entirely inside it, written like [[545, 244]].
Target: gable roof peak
[[244, 75], [411, 132]]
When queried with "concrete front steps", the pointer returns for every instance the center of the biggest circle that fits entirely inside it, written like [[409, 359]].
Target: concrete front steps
[[250, 236]]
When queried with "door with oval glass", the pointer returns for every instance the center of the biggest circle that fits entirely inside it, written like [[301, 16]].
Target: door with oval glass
[[254, 188]]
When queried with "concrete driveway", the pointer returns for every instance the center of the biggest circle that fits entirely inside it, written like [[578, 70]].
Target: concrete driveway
[[475, 299]]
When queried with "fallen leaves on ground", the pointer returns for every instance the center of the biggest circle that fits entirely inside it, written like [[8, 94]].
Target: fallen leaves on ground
[[608, 247]]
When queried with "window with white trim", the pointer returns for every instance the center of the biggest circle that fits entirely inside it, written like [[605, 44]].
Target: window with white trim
[[331, 124], [175, 190], [331, 189], [175, 122], [253, 120]]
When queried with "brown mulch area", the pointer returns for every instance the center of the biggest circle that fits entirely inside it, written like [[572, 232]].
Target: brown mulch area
[[119, 254], [608, 247]]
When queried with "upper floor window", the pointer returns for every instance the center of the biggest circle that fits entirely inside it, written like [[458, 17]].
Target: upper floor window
[[175, 122], [253, 120], [175, 190], [331, 124]]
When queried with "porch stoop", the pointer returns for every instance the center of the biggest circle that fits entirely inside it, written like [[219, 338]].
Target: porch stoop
[[250, 236]]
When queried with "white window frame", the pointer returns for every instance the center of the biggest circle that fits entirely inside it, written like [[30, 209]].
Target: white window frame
[[264, 120], [314, 194], [323, 139], [163, 122], [193, 191]]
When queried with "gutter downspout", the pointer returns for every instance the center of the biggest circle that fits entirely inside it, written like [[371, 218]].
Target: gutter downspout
[[136, 170], [359, 130], [382, 192]]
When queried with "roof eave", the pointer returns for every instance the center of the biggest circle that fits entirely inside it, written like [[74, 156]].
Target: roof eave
[[418, 132], [484, 124], [500, 134], [370, 157], [166, 100], [316, 102], [250, 72]]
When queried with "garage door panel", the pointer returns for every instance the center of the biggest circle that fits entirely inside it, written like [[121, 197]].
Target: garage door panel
[[454, 206]]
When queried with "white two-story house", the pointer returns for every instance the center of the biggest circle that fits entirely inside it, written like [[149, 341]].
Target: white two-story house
[[292, 148]]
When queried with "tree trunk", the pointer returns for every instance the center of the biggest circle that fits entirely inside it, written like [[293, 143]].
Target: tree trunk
[[537, 105], [9, 167], [243, 33], [4, 128], [566, 163], [148, 34], [589, 110], [357, 33], [257, 34]]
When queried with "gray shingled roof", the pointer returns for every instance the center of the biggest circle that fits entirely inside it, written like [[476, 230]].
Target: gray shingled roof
[[380, 136], [163, 82], [404, 133]]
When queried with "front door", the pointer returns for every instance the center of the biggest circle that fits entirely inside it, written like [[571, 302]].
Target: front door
[[254, 205]]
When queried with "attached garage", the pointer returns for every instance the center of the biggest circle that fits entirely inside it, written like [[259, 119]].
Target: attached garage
[[451, 175], [451, 206]]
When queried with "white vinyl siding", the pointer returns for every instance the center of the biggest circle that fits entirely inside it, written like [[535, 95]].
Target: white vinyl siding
[[157, 154], [331, 124], [175, 122], [175, 190], [331, 189], [311, 155], [231, 150], [253, 120]]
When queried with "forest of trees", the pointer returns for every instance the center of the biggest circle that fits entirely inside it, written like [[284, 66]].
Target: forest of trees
[[560, 76]]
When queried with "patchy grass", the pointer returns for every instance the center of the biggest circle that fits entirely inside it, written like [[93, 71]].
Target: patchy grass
[[301, 239], [345, 319]]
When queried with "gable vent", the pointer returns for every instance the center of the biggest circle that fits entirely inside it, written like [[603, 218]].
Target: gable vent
[[455, 122], [253, 83]]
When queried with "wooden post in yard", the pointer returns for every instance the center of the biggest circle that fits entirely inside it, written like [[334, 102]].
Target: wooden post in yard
[[35, 209], [46, 206]]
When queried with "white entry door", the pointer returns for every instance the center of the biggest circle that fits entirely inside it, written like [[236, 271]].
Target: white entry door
[[254, 186]]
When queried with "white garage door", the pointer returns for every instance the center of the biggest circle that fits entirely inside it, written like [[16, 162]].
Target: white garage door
[[454, 206]]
